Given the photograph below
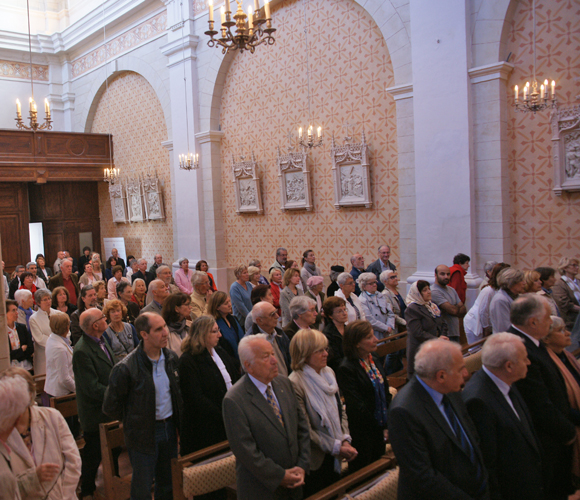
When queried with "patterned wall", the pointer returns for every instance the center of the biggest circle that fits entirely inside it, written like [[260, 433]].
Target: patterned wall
[[544, 227], [265, 97], [132, 112]]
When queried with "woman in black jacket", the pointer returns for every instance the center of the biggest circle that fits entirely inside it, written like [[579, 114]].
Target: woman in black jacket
[[424, 321], [363, 383], [206, 372]]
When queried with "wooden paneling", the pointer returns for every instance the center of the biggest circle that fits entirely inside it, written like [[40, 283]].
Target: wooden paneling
[[42, 156], [65, 210], [14, 224]]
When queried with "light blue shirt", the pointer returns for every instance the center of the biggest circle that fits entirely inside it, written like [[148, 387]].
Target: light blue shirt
[[262, 388], [163, 405]]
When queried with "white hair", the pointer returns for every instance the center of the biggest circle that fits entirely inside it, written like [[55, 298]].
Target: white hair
[[500, 348], [433, 356], [161, 268], [246, 347], [256, 311], [197, 276], [364, 278], [21, 295], [14, 399], [300, 305], [343, 277]]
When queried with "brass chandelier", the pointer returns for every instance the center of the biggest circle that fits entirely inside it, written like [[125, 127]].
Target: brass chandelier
[[249, 32]]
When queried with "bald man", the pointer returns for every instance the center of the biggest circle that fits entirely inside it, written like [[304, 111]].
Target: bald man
[[448, 301]]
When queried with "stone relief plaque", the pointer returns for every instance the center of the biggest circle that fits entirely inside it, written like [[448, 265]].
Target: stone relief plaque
[[247, 186], [152, 197], [135, 200], [118, 206], [351, 174], [294, 181], [566, 148]]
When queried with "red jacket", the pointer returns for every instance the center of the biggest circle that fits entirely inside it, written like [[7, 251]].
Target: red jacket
[[457, 281]]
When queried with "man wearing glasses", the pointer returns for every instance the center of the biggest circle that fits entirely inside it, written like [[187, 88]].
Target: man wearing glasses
[[93, 360]]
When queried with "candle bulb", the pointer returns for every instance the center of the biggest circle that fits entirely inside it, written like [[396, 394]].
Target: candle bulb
[[310, 131], [223, 13], [256, 5], [319, 132], [46, 107], [227, 6], [553, 89], [18, 108], [267, 8], [211, 11], [250, 19], [516, 91], [300, 133], [542, 91]]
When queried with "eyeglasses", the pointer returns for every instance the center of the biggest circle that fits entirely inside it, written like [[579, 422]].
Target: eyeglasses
[[99, 319]]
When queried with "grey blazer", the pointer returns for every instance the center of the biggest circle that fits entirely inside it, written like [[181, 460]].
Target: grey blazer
[[286, 297], [263, 448], [565, 299]]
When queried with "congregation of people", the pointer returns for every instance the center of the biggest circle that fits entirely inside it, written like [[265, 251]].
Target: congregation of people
[[286, 370]]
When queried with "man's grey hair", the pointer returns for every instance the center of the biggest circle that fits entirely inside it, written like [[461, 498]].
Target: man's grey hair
[[21, 295], [132, 261], [353, 258], [343, 278], [526, 307], [162, 268], [509, 277], [40, 294], [365, 278], [488, 266], [14, 399], [433, 356], [19, 267], [155, 284], [197, 277], [300, 305], [500, 348], [255, 263], [30, 264], [140, 261], [379, 249], [246, 347], [258, 310], [281, 249]]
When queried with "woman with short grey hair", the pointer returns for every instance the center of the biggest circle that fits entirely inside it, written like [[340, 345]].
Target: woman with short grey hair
[[25, 303], [511, 283], [353, 305], [377, 310], [40, 328]]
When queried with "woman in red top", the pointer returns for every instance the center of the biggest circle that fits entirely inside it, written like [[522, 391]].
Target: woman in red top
[[458, 271], [27, 283], [276, 287]]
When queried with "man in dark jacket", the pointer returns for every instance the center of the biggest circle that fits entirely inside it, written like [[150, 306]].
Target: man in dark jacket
[[144, 393]]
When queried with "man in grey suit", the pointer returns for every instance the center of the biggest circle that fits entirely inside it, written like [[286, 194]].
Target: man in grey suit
[[266, 428], [382, 264]]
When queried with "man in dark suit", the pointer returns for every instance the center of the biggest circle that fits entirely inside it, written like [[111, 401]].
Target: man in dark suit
[[143, 273], [509, 445], [118, 258], [267, 431], [382, 264], [68, 279], [93, 360], [303, 314], [358, 267], [432, 435], [544, 392]]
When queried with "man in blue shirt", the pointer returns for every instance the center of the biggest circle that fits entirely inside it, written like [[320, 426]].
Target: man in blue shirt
[[144, 393]]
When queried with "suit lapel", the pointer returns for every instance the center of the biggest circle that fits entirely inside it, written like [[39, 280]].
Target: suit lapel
[[99, 352], [261, 404]]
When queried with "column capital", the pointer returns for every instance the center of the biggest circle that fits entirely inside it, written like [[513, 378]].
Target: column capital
[[209, 136], [496, 71]]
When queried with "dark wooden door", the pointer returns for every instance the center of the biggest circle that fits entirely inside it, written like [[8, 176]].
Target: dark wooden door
[[14, 219]]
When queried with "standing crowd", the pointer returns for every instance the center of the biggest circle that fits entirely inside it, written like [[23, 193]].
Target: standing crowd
[[287, 371]]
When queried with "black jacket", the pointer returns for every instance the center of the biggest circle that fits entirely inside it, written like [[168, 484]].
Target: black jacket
[[147, 277], [203, 388], [335, 352], [25, 340], [130, 397]]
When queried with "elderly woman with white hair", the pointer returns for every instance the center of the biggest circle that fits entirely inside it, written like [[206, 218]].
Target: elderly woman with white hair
[[315, 285], [201, 292], [377, 310], [43, 443], [353, 304], [25, 302], [511, 283], [183, 276], [390, 279], [303, 314], [40, 328], [317, 393]]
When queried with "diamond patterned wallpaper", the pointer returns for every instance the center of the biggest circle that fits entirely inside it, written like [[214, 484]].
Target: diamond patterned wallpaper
[[138, 127], [265, 97], [544, 227]]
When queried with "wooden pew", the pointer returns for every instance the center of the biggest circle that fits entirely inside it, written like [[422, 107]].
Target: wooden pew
[[112, 436], [67, 406], [354, 482], [39, 381], [389, 345], [215, 467]]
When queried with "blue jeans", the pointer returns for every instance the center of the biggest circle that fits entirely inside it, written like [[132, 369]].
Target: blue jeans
[[146, 468]]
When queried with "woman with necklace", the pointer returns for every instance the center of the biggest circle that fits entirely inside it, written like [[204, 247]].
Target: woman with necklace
[[139, 292], [122, 337]]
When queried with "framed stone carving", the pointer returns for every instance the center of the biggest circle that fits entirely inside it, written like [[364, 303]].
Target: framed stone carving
[[152, 197], [134, 199], [294, 181], [351, 174], [566, 148], [247, 186], [118, 206]]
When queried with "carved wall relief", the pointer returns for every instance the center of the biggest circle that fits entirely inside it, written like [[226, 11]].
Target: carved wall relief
[[351, 174], [294, 181], [566, 148], [134, 200], [152, 197], [247, 186], [117, 196]]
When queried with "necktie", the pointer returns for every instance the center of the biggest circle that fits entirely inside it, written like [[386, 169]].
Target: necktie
[[272, 403], [463, 439]]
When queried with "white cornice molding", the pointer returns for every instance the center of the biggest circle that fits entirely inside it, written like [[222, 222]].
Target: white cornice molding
[[401, 91], [178, 46], [496, 71], [167, 145], [209, 136]]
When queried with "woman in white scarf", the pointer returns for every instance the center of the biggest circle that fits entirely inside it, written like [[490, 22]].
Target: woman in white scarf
[[317, 393]]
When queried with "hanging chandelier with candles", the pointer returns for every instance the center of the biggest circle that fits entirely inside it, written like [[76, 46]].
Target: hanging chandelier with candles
[[112, 175], [309, 141], [250, 31], [189, 161], [535, 99]]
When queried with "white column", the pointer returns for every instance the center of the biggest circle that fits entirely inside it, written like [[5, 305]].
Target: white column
[[186, 186], [444, 191]]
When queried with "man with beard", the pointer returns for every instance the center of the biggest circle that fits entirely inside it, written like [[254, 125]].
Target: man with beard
[[448, 301]]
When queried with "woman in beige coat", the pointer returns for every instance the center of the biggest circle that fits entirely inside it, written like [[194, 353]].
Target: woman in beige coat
[[42, 436]]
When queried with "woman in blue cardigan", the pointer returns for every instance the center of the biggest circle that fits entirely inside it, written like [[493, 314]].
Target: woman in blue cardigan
[[240, 294]]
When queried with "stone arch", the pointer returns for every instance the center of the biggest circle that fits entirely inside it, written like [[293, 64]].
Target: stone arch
[[123, 65], [392, 19]]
